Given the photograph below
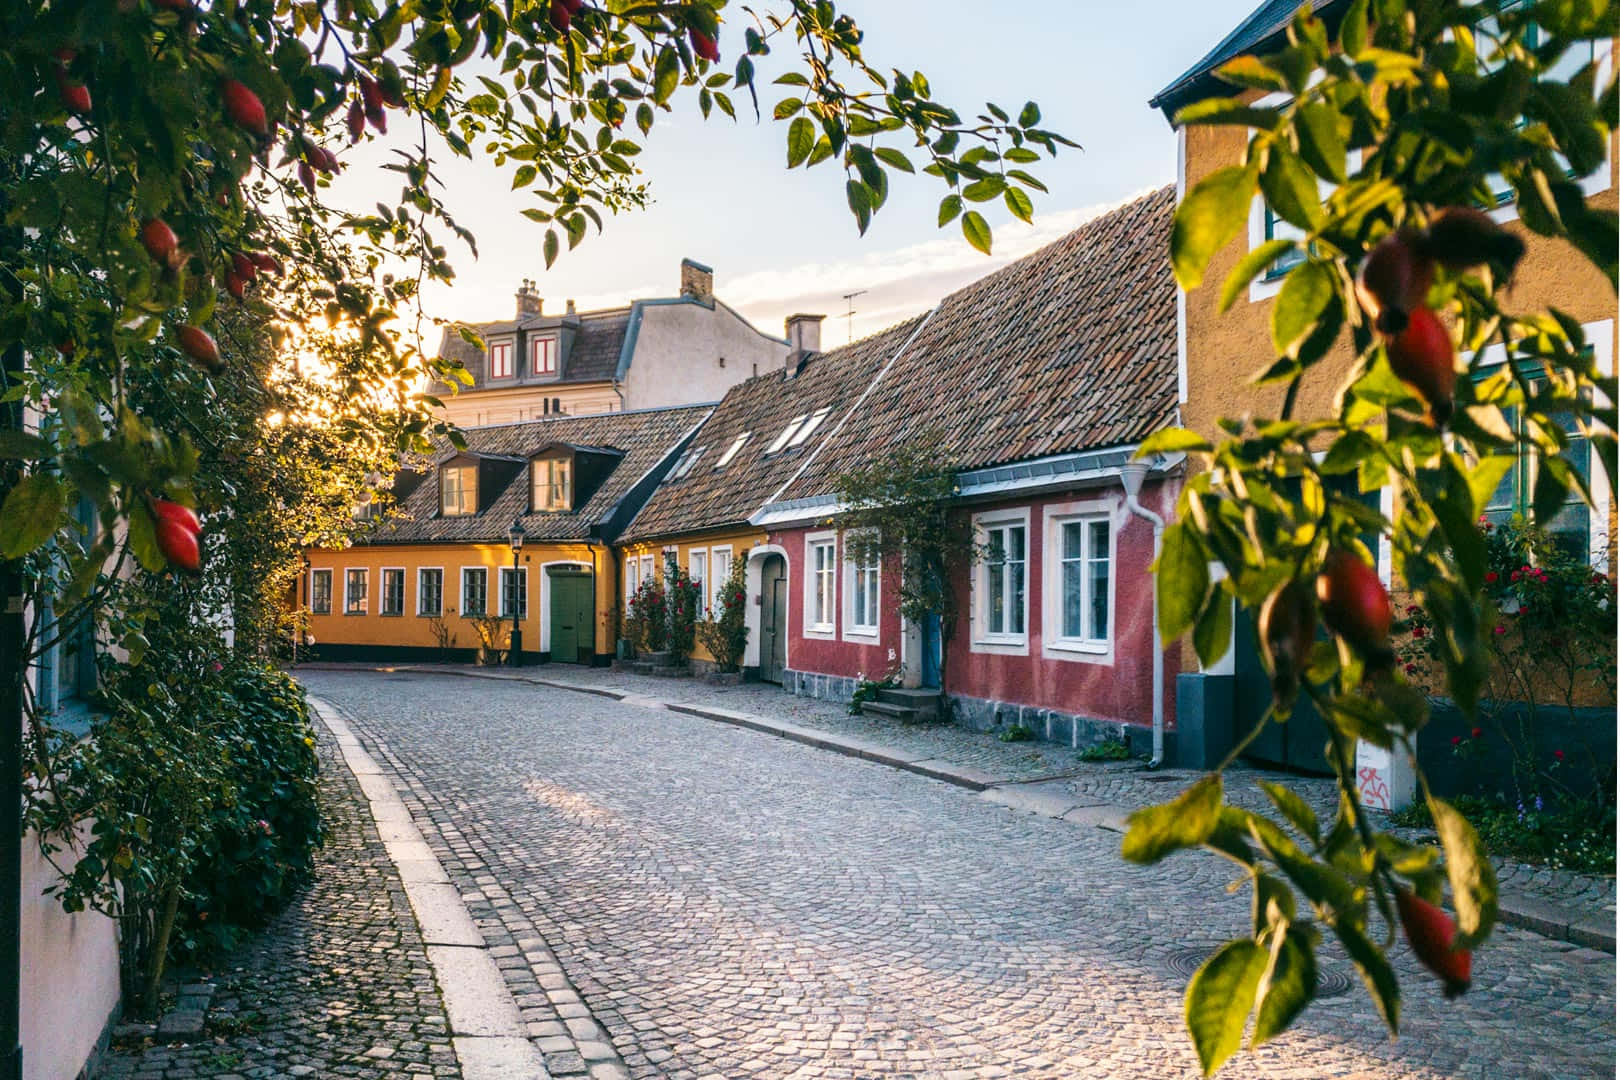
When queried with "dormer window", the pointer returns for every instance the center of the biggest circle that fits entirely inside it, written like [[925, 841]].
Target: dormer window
[[543, 356], [500, 360], [731, 451], [458, 490], [552, 478]]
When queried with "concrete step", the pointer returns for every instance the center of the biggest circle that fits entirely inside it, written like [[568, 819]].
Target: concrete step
[[925, 702], [888, 708]]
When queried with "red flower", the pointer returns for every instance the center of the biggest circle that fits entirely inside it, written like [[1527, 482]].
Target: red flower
[[1490, 577], [1411, 669], [1477, 733], [1456, 740], [1514, 576], [1559, 754], [1418, 631], [1500, 630], [1413, 609]]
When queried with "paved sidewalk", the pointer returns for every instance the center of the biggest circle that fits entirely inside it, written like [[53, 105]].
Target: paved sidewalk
[[1039, 777], [339, 985]]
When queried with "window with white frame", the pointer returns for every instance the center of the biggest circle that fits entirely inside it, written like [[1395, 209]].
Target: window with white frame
[[543, 356], [500, 360], [631, 577], [392, 601], [809, 426], [698, 571], [731, 451], [720, 566], [1003, 600], [684, 465], [1082, 600], [354, 592], [320, 592], [787, 433], [515, 592], [474, 591], [553, 483], [458, 490], [862, 581], [430, 591], [821, 583], [647, 570]]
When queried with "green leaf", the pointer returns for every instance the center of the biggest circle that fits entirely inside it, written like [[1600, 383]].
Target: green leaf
[[1295, 809], [1211, 214], [1227, 111], [666, 74], [860, 203], [1375, 972], [1219, 999], [31, 513], [787, 107], [977, 230], [1171, 441], [1030, 115], [1253, 72], [1212, 635], [1301, 307], [894, 159], [1290, 189], [1473, 879], [1353, 29], [1156, 831], [549, 248], [21, 446], [1289, 985], [984, 190], [949, 208], [1251, 266], [801, 139], [1320, 142], [1183, 581], [143, 539], [1020, 206]]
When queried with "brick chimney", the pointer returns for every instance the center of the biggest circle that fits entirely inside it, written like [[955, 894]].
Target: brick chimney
[[697, 280], [804, 333], [528, 299]]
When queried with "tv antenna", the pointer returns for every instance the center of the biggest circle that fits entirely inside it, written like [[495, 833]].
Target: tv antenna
[[849, 316]]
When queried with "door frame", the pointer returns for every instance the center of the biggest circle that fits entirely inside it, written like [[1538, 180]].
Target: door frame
[[545, 599], [753, 579]]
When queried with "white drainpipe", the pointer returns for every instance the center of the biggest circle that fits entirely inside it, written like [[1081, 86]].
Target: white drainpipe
[[1131, 476]]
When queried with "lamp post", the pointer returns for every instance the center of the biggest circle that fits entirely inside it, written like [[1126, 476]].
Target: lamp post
[[515, 537]]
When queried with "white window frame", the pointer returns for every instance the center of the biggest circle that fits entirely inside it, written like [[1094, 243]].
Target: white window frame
[[632, 576], [981, 640], [564, 501], [787, 433], [1054, 644], [809, 426], [1600, 338], [420, 570], [717, 579], [522, 573], [471, 489], [731, 451], [701, 580], [813, 587], [864, 633], [382, 591], [509, 349], [462, 594], [648, 567], [314, 571], [548, 345], [365, 578]]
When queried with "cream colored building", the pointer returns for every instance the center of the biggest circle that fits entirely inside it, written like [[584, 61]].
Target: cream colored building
[[653, 353]]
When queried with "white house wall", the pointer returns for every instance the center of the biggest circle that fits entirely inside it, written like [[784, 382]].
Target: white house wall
[[687, 353]]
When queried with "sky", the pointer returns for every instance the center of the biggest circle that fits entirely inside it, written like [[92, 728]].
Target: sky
[[783, 242]]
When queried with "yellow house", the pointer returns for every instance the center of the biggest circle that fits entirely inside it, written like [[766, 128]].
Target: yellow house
[[1220, 353], [508, 540]]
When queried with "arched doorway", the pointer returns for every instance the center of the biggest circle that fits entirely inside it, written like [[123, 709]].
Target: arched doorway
[[773, 616]]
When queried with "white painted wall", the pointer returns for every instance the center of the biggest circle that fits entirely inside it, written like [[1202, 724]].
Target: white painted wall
[[679, 354]]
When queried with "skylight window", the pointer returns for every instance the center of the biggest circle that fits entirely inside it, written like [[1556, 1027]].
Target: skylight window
[[787, 433], [731, 451], [810, 425], [684, 466]]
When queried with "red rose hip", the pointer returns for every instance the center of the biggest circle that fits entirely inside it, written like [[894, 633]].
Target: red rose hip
[[1431, 932], [1354, 603], [1422, 356]]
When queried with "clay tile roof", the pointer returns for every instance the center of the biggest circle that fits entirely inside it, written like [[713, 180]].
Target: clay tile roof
[[707, 497], [1071, 348], [646, 437]]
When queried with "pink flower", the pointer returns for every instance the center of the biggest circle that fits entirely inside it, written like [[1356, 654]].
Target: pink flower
[[1500, 630], [218, 666], [264, 826], [1456, 740]]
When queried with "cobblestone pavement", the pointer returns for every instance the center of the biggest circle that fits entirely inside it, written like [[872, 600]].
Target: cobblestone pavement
[[338, 986], [726, 904], [1121, 783]]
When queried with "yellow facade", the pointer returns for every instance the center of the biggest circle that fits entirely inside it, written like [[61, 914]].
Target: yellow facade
[[373, 630], [736, 543]]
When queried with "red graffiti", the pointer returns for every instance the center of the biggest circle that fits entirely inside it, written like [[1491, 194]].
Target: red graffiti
[[1374, 792]]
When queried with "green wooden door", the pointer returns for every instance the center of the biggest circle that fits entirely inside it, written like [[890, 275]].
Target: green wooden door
[[570, 616]]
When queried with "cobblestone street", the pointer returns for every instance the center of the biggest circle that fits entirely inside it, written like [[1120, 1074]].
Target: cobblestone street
[[676, 897]]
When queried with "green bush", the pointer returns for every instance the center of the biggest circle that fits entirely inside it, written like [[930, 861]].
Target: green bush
[[1571, 837], [725, 635], [646, 621], [685, 597]]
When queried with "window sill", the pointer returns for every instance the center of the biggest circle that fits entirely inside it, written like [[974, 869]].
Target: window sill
[[1002, 645], [347, 614], [323, 614], [826, 631], [391, 614], [430, 614]]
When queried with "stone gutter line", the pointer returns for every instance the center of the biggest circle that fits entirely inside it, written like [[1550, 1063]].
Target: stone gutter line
[[486, 1029], [1559, 922]]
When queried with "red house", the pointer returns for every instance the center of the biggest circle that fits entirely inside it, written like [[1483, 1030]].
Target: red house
[[1037, 383]]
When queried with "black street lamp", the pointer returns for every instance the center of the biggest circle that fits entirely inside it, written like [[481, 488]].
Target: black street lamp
[[514, 536]]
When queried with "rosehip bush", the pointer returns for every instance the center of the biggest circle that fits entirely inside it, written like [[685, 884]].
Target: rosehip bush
[[1413, 116], [683, 598], [647, 617], [725, 632]]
